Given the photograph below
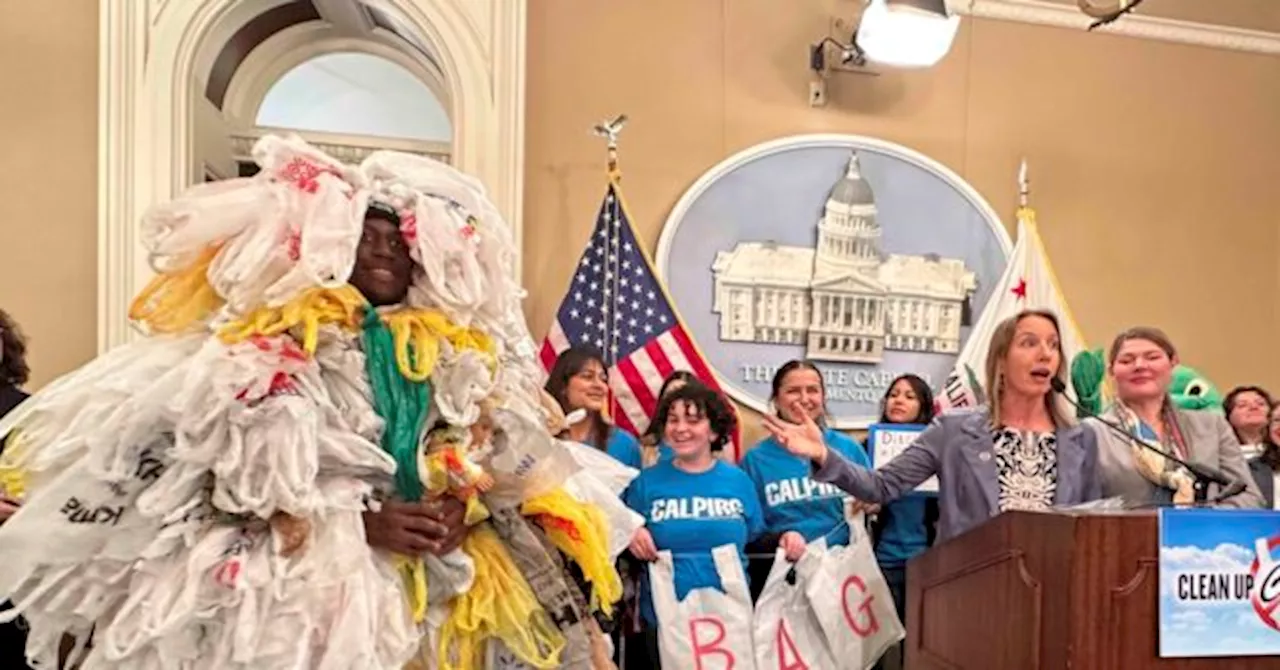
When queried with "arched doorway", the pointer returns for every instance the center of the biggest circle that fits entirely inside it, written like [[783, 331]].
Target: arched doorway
[[347, 103], [183, 85]]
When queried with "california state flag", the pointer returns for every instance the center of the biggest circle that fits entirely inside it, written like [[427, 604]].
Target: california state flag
[[1028, 283]]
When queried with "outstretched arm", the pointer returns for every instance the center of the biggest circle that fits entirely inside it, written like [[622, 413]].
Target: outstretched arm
[[900, 476]]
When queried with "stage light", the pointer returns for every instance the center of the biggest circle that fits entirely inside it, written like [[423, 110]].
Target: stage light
[[906, 33]]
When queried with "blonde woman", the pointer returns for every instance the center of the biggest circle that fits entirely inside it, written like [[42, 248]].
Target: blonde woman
[[1141, 361], [1020, 452]]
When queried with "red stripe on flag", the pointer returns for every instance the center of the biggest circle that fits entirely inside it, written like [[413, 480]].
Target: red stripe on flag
[[695, 360], [619, 416], [548, 354], [659, 357], [639, 386]]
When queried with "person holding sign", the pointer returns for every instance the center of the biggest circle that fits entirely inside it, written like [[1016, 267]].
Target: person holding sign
[[1022, 451], [905, 527], [797, 510], [692, 502]]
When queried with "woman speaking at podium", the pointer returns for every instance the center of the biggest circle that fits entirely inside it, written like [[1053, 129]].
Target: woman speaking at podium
[[1141, 361], [1020, 452]]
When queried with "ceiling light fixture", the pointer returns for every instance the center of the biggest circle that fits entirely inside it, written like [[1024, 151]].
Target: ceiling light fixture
[[906, 33]]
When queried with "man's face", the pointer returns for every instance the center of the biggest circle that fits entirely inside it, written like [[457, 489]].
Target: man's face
[[383, 268]]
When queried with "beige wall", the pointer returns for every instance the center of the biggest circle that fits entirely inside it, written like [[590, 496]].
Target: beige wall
[[48, 173], [1153, 165]]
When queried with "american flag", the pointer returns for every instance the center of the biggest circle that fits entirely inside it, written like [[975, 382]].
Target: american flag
[[616, 305]]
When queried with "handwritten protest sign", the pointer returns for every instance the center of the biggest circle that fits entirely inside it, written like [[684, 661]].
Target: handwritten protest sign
[[887, 441]]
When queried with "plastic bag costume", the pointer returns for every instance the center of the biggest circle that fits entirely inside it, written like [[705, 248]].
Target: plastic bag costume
[[195, 499]]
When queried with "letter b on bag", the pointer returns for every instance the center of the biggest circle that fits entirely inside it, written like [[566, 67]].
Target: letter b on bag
[[703, 647]]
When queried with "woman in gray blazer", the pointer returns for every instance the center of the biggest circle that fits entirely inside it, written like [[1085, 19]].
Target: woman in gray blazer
[[1141, 362], [1019, 452]]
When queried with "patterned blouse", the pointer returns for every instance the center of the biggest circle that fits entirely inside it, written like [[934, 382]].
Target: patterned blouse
[[1027, 465]]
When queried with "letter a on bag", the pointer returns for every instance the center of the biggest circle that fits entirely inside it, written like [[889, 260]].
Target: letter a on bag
[[787, 633]]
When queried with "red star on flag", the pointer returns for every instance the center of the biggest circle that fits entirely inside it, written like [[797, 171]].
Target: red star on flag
[[1021, 289]]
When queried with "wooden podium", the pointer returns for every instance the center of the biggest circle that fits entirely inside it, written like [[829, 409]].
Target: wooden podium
[[1045, 591]]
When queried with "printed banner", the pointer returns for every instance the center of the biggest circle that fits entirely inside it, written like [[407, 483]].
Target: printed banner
[[1219, 583], [887, 440]]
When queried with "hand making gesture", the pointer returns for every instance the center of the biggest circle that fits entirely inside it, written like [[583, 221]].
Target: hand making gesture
[[803, 439]]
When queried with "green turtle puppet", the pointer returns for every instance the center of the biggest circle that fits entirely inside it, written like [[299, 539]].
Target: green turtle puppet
[[1189, 389]]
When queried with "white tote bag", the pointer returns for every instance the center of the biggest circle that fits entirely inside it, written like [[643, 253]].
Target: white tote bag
[[708, 630], [787, 633], [851, 601]]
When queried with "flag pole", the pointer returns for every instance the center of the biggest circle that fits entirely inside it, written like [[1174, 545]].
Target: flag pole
[[610, 299], [1024, 184]]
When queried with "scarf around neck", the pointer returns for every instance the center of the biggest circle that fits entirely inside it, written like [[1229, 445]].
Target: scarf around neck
[[1161, 472]]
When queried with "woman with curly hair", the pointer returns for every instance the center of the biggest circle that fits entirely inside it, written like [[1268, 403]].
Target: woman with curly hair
[[697, 422]]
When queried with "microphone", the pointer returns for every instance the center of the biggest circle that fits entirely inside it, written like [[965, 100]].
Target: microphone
[[1203, 473]]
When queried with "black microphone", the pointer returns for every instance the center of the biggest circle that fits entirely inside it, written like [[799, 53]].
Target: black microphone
[[1204, 473]]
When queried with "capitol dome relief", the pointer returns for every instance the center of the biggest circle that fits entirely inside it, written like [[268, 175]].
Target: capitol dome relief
[[844, 299]]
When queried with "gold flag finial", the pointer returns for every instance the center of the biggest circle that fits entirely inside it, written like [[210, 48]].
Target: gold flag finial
[[610, 130]]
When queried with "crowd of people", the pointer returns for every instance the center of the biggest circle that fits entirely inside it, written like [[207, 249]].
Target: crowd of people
[[1024, 449]]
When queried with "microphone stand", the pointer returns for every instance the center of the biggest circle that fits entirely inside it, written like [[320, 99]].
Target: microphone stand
[[1202, 475]]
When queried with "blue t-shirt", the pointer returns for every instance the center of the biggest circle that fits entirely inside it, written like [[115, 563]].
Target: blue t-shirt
[[664, 451], [904, 535], [623, 447], [792, 500], [689, 515]]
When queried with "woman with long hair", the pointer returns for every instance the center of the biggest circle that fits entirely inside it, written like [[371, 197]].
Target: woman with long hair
[[1141, 362], [905, 527], [1022, 451], [797, 510], [1248, 409], [580, 380]]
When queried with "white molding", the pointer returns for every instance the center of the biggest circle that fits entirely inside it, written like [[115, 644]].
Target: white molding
[[823, 140], [1137, 25], [149, 76]]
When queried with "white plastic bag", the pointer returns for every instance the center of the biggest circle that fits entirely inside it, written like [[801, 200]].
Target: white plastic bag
[[709, 629], [851, 600], [601, 482], [787, 633]]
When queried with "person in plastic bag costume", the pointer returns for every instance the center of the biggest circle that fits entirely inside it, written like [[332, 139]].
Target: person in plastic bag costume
[[245, 487]]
